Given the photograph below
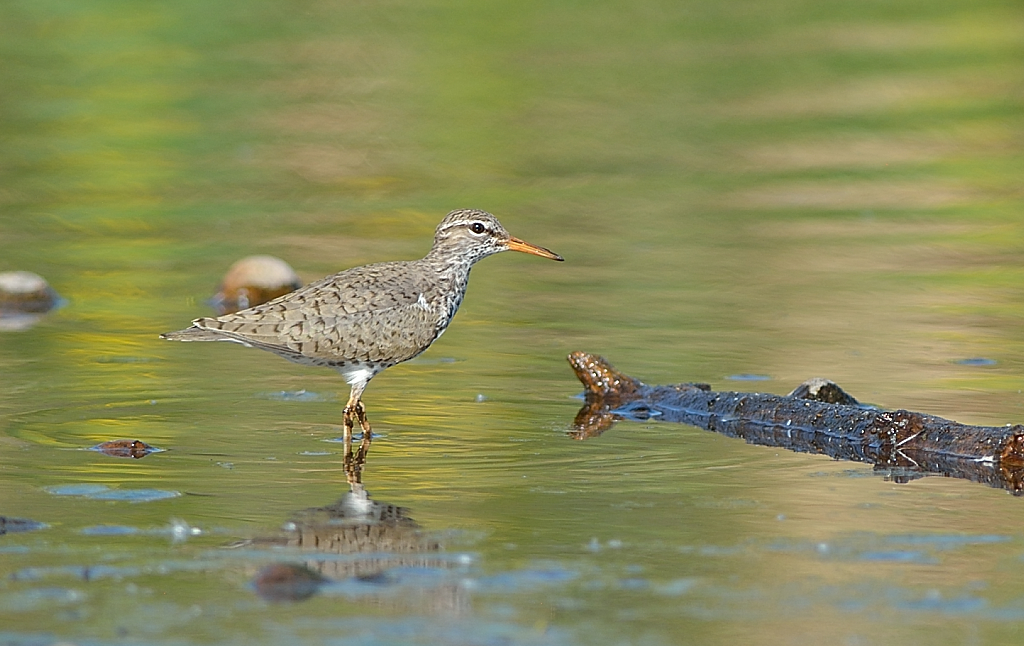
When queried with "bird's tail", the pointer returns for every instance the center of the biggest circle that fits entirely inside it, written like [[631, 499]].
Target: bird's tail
[[193, 334]]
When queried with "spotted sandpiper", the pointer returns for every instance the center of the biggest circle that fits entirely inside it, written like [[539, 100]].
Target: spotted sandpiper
[[366, 319]]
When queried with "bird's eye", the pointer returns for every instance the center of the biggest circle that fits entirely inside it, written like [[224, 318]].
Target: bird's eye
[[477, 227]]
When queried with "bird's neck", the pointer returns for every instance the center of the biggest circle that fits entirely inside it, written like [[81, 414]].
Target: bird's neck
[[450, 264], [452, 277]]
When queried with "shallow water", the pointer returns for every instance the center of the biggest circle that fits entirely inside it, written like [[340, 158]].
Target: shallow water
[[772, 190]]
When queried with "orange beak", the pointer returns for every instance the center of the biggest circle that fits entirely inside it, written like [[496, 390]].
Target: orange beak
[[515, 244]]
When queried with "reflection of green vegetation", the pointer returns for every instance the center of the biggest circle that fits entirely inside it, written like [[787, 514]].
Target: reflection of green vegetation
[[771, 187]]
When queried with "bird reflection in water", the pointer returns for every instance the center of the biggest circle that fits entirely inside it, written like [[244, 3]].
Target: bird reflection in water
[[370, 552]]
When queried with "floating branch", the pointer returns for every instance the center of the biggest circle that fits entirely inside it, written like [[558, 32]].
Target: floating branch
[[817, 417]]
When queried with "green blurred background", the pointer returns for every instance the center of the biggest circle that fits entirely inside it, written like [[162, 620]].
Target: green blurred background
[[781, 188]]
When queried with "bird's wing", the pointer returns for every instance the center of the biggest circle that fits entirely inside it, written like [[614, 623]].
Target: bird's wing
[[364, 314], [388, 336], [360, 289]]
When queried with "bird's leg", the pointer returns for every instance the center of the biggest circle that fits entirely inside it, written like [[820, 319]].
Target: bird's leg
[[347, 432], [354, 410], [356, 462], [352, 463], [363, 422]]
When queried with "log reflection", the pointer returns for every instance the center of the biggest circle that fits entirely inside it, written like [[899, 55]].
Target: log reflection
[[817, 417]]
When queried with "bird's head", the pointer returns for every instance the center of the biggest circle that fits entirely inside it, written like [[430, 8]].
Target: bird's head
[[475, 234]]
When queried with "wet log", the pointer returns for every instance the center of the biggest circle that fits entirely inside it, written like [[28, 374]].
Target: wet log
[[817, 417]]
